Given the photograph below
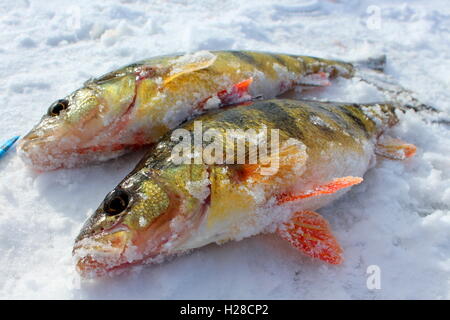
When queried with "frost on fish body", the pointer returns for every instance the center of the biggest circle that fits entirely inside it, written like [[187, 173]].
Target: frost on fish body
[[162, 209], [136, 105]]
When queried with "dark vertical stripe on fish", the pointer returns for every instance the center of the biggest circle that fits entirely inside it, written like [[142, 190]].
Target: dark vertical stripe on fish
[[350, 114], [246, 58], [281, 119], [278, 58]]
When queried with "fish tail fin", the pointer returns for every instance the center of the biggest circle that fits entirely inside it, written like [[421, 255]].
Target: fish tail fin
[[372, 71], [375, 63]]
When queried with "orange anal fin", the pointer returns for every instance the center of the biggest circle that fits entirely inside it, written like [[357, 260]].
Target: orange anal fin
[[395, 149], [310, 233], [331, 187], [237, 93], [319, 79]]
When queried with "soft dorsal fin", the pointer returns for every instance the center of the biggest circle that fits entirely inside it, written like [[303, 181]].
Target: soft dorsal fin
[[310, 233], [190, 63], [328, 188]]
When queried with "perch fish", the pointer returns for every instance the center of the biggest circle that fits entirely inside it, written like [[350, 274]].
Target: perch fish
[[166, 207], [137, 104]]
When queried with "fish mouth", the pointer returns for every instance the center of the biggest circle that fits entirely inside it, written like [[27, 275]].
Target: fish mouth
[[110, 252], [98, 254], [44, 152], [103, 254], [48, 150], [33, 140], [38, 151], [44, 148]]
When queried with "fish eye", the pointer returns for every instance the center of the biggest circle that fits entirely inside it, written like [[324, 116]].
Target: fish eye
[[57, 107], [116, 202]]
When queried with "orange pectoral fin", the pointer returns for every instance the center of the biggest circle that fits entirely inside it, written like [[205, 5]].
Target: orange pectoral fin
[[242, 87], [327, 188], [274, 169], [237, 93], [310, 233], [394, 149]]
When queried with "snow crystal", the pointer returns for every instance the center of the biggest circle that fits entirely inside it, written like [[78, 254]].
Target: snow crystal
[[199, 189], [397, 219], [212, 103], [142, 221]]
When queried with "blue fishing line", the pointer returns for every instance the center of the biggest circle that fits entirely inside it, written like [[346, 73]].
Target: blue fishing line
[[7, 145]]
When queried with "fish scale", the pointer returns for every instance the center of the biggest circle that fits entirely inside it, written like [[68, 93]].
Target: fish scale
[[136, 105], [324, 148]]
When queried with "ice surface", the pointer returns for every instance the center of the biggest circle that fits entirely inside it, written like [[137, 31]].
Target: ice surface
[[398, 218]]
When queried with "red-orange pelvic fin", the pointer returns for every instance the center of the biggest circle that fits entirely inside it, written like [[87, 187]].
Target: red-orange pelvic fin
[[237, 93], [394, 148], [310, 233], [331, 187]]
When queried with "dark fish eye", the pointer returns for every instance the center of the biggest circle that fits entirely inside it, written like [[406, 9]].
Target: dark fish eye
[[57, 107], [116, 202]]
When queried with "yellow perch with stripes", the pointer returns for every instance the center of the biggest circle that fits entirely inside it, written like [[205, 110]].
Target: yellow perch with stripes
[[189, 192], [135, 105]]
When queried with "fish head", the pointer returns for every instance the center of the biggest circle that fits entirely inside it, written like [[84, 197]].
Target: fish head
[[77, 127], [144, 219]]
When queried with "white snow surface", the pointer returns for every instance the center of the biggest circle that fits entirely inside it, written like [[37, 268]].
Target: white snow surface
[[397, 219]]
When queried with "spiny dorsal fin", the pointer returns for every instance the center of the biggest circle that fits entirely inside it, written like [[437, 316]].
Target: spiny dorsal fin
[[190, 63]]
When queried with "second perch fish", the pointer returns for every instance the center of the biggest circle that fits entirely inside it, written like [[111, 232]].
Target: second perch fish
[[167, 207], [136, 105]]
